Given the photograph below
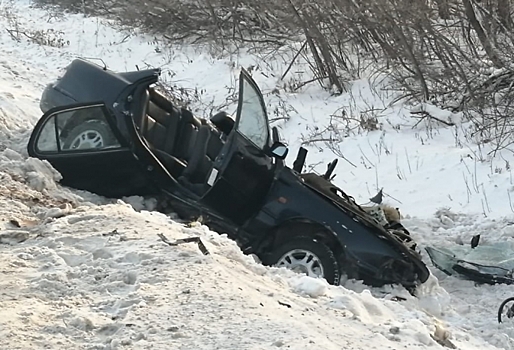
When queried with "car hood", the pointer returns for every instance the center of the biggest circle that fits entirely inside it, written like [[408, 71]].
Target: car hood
[[84, 81]]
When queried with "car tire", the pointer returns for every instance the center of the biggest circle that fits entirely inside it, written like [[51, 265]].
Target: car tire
[[90, 134], [509, 310], [307, 255]]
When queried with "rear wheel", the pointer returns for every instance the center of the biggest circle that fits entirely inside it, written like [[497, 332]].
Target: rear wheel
[[89, 135], [309, 256]]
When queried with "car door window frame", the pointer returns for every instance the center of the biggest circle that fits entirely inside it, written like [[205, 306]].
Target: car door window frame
[[54, 113], [246, 78]]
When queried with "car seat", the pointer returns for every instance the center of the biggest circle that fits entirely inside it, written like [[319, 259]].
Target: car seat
[[223, 122], [199, 164]]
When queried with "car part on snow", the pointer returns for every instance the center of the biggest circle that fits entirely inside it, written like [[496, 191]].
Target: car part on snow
[[474, 241], [447, 262], [442, 337], [284, 304], [309, 256], [175, 243], [505, 310], [377, 199]]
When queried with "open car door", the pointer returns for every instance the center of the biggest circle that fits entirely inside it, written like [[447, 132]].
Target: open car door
[[83, 143], [243, 173]]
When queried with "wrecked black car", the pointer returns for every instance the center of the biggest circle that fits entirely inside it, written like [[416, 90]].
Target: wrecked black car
[[116, 135]]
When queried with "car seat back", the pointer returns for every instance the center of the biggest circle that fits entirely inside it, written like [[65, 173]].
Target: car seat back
[[215, 144], [139, 115], [186, 146], [161, 128], [183, 138], [188, 131]]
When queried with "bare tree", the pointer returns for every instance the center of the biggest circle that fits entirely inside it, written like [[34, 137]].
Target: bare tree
[[441, 51], [486, 43]]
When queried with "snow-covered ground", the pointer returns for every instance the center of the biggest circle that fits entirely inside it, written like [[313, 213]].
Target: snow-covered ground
[[84, 272]]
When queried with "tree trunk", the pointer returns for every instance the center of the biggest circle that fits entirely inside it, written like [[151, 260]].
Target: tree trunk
[[319, 47], [443, 9], [484, 40], [503, 11]]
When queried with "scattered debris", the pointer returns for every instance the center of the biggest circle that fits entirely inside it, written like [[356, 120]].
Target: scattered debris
[[197, 240], [55, 213], [15, 222], [394, 330], [442, 337], [398, 298], [13, 237], [284, 304], [196, 223], [112, 233], [474, 241], [23, 223], [377, 198]]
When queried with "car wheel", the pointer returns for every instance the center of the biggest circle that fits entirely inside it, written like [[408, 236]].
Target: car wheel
[[309, 256], [506, 310], [89, 135]]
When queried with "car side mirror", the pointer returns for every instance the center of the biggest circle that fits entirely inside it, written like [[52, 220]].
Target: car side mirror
[[278, 150]]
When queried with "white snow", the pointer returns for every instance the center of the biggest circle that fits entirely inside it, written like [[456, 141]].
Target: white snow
[[84, 272]]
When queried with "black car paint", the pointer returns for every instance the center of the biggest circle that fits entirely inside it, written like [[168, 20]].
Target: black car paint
[[247, 176], [257, 200], [355, 234], [82, 82]]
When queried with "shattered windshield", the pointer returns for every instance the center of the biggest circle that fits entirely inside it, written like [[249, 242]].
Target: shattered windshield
[[482, 263]]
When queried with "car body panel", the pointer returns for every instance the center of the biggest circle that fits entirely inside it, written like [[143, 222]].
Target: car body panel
[[246, 171], [287, 201], [120, 172], [94, 84], [249, 193]]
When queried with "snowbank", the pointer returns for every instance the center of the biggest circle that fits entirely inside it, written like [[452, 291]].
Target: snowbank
[[83, 272]]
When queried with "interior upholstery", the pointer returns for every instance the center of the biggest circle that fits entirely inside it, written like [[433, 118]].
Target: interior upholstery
[[199, 164], [186, 140], [186, 146], [161, 128]]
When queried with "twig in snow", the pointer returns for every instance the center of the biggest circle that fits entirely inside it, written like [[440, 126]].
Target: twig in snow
[[425, 114], [293, 60], [510, 202], [11, 33], [388, 195]]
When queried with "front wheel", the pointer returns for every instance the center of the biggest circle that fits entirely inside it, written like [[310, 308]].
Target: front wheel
[[309, 256]]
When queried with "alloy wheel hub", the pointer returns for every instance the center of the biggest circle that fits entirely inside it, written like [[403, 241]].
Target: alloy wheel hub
[[302, 261], [88, 139]]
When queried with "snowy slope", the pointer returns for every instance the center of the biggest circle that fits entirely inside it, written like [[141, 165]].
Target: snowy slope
[[94, 275]]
